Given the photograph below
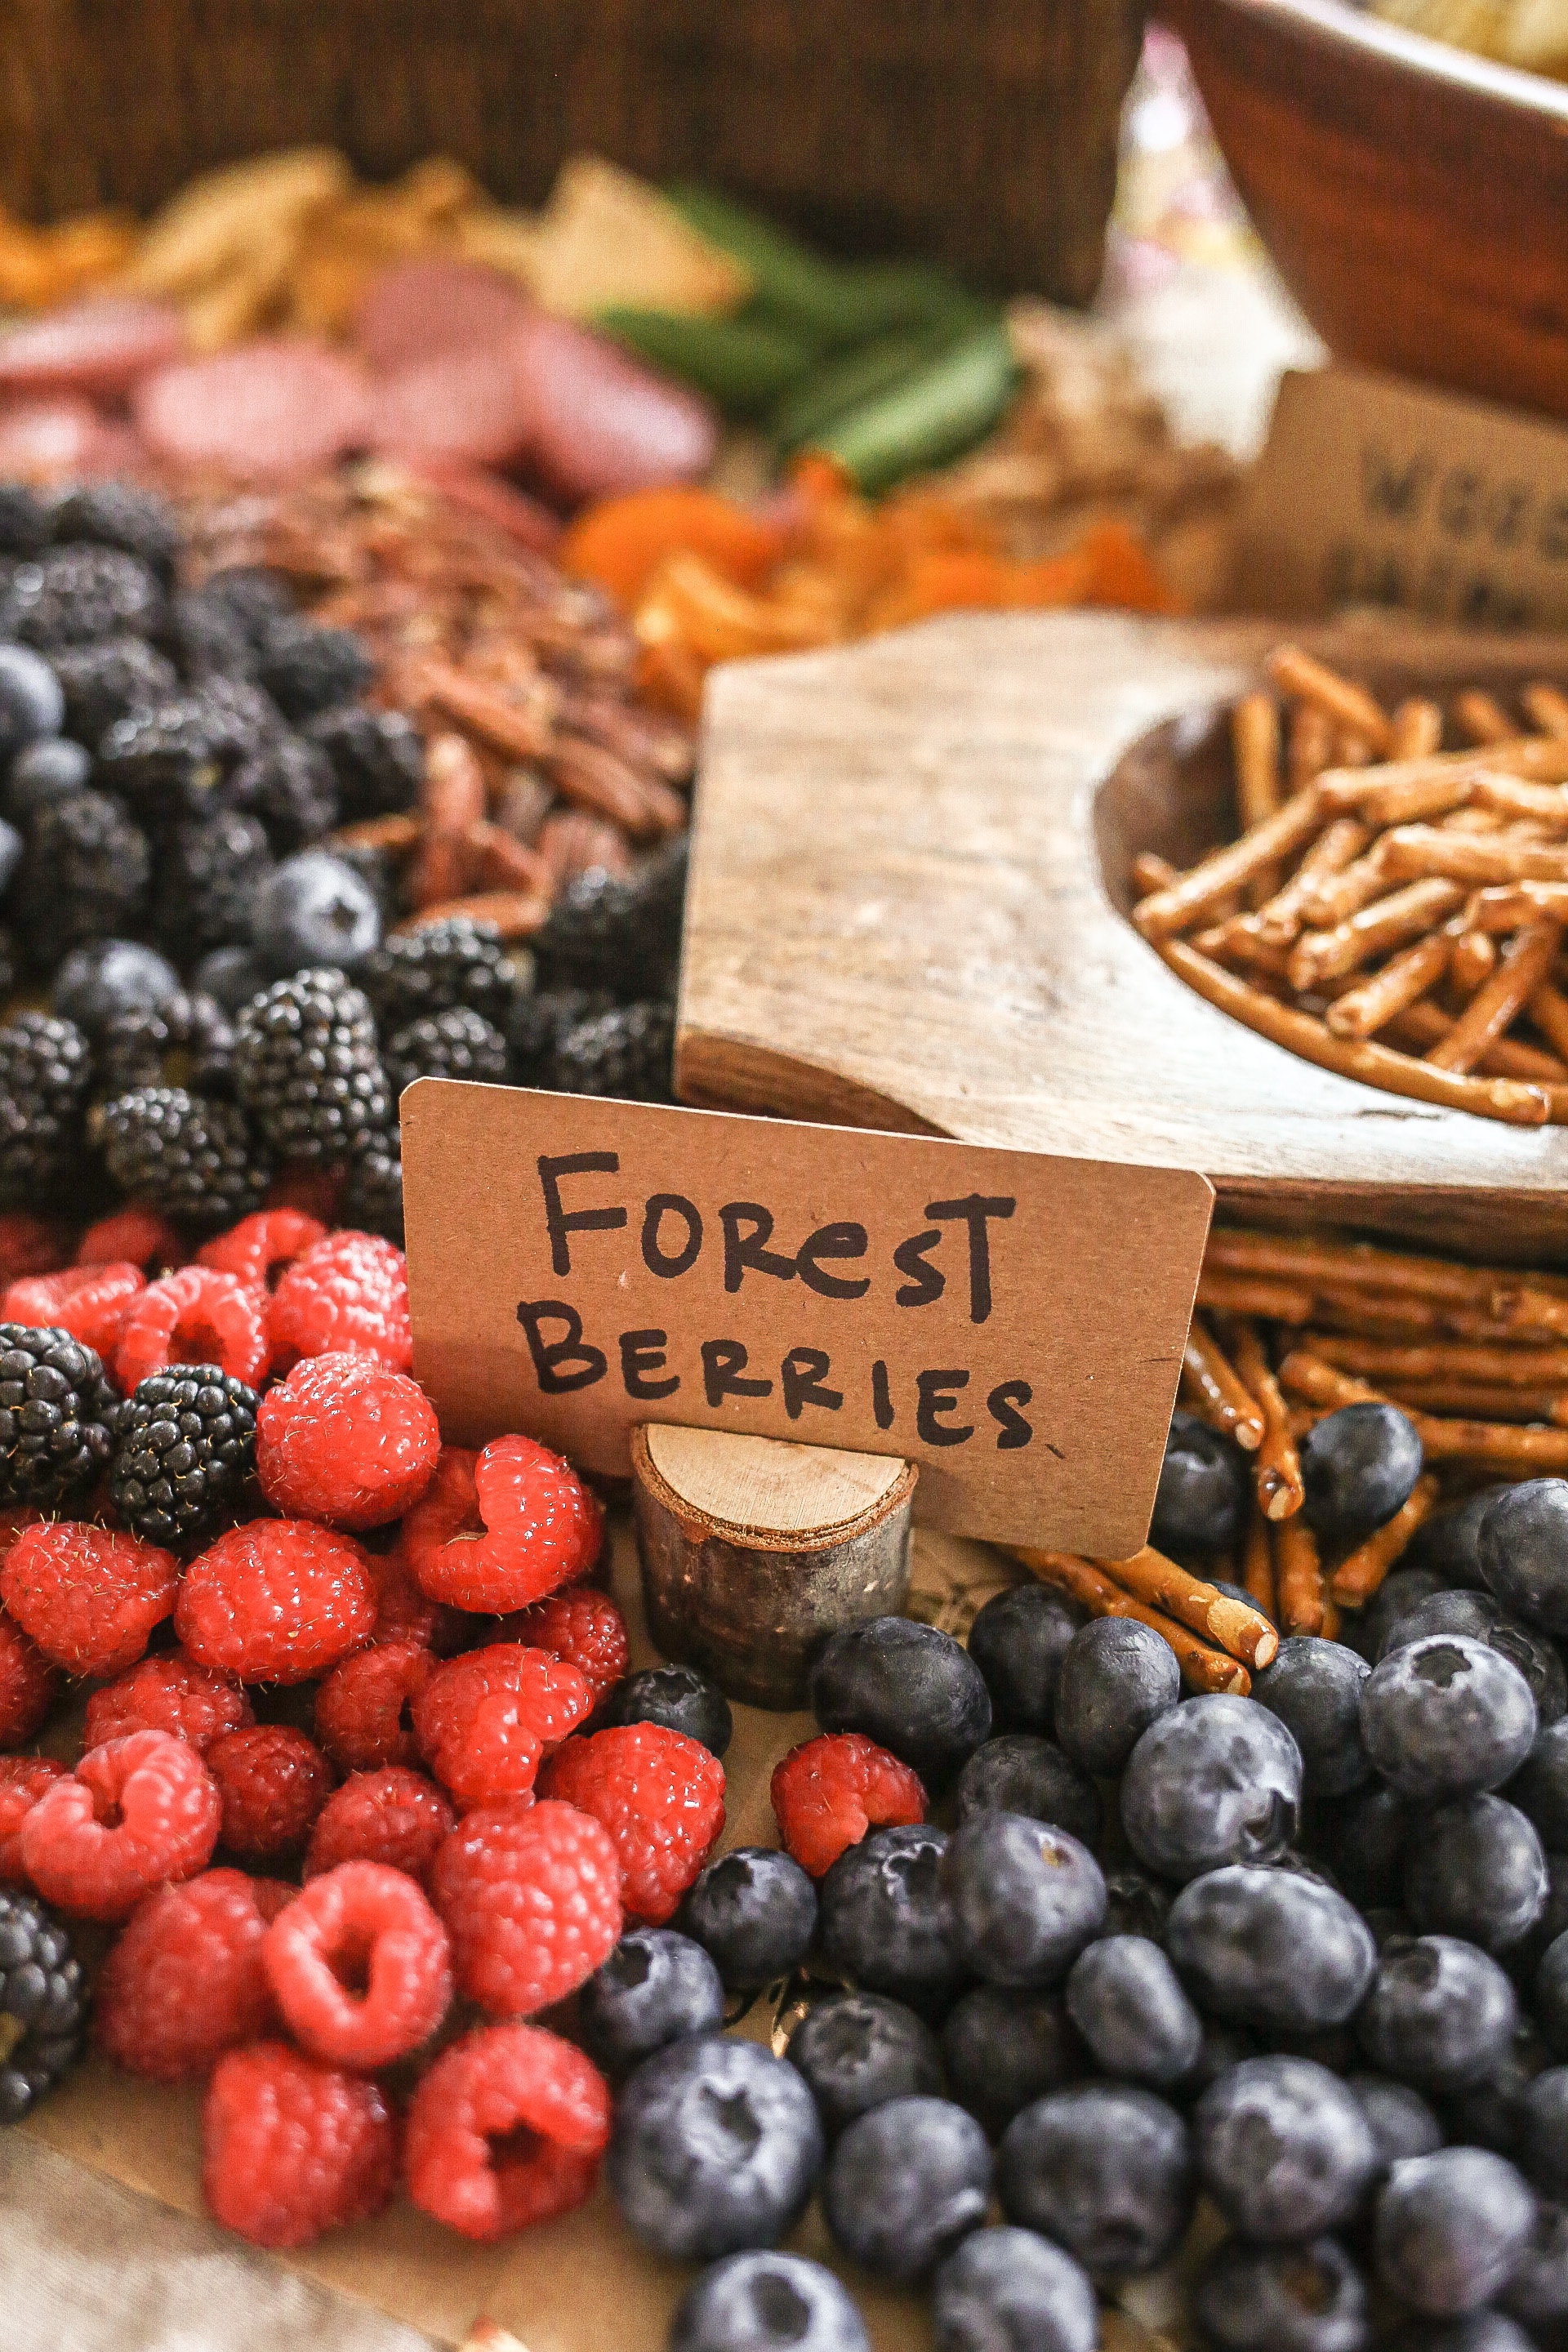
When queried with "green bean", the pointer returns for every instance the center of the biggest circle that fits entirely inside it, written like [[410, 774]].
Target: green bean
[[744, 364], [852, 378], [835, 302], [934, 414]]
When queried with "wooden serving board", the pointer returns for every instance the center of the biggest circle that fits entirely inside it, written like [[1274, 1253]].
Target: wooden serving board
[[908, 909]]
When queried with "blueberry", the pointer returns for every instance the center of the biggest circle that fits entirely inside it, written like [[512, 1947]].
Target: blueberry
[[1203, 1490], [885, 1919], [1020, 1773], [1490, 2113], [1126, 2000], [905, 2183], [677, 1697], [1365, 1842], [767, 2303], [1478, 2331], [1449, 1542], [1367, 1629], [1440, 2013], [1401, 2122], [1449, 2229], [1135, 1903], [1540, 1787], [1270, 1948], [31, 700], [1476, 1869], [1552, 1995], [908, 1688], [1217, 1779], [1024, 1898], [1003, 2049], [1314, 1687], [1445, 1717], [1008, 2291], [1306, 2298], [753, 1911], [1537, 2293], [231, 976], [1543, 2135], [1358, 1465], [314, 909], [857, 2051], [1104, 2170], [1524, 1551], [1019, 1641], [97, 982], [716, 2147], [1283, 2147], [49, 770], [656, 1986], [1117, 1678], [1481, 1617]]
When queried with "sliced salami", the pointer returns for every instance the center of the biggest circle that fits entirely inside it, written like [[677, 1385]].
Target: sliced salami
[[268, 410], [417, 309], [601, 424], [98, 347], [470, 406]]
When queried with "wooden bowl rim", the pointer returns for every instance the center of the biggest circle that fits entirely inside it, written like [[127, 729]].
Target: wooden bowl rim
[[1368, 41]]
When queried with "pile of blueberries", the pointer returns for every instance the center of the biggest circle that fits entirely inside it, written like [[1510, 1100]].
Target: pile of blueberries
[[1294, 1965]]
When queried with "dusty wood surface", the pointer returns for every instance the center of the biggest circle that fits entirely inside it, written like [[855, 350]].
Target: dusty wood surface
[[908, 910]]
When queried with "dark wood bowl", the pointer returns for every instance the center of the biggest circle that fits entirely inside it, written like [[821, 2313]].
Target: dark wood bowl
[[1413, 198]]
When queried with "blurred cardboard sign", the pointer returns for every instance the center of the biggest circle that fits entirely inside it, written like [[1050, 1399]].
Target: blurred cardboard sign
[[1374, 491], [1012, 1322]]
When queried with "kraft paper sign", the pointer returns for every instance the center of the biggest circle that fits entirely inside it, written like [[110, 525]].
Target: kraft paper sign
[[1013, 1323], [1374, 491]]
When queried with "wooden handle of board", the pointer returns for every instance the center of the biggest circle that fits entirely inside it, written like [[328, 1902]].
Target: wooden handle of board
[[755, 1550]]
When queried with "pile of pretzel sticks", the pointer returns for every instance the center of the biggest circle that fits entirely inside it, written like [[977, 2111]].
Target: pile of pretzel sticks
[[1392, 910], [1291, 1327]]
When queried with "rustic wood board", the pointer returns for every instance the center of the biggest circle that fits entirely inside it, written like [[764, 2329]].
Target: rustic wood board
[[903, 913]]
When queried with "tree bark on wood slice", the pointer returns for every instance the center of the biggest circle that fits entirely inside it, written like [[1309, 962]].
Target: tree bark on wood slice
[[754, 1551]]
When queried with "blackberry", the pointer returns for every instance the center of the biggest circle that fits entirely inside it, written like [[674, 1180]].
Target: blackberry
[[72, 595], [372, 1202], [43, 2003], [206, 638], [539, 1020], [625, 1053], [25, 520], [108, 681], [307, 1068], [44, 1068], [167, 761], [440, 966], [186, 1039], [84, 876], [377, 756], [289, 784], [306, 668], [188, 1155], [56, 1410], [455, 1044], [242, 716], [623, 935], [119, 514], [254, 596], [184, 1445], [209, 873]]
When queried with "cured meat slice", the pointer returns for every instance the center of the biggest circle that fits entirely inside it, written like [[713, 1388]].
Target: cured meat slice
[[267, 410], [601, 424], [419, 308], [48, 440], [98, 347], [472, 407]]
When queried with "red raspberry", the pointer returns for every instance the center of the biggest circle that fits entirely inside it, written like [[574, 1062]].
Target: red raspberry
[[360, 1924], [403, 1614], [345, 1440], [290, 2149], [350, 1291], [584, 1629], [169, 1694], [660, 1796], [363, 1706], [138, 1813], [531, 1899], [543, 1528], [484, 1720], [28, 1685], [30, 1244], [195, 1317], [92, 1303], [23, 1780], [141, 1234], [392, 1816], [276, 1601], [88, 1597], [255, 1247], [273, 1782], [315, 1192], [506, 2129], [828, 1792], [184, 1982]]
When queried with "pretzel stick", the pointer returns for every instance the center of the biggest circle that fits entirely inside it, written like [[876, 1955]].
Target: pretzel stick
[[1310, 744], [1525, 964], [1231, 944], [1537, 758], [1149, 1576], [1278, 1472], [1511, 796], [1472, 1400], [1306, 1375], [1418, 849], [1482, 718], [1277, 1302], [1297, 1576], [1421, 1026], [1495, 1445], [1403, 979], [1519, 1105], [1416, 730], [1151, 872], [1378, 805], [1229, 1402], [1295, 672], [1546, 708], [1257, 1562], [1354, 1265], [1351, 749], [1472, 960], [1255, 747], [1544, 1369], [1510, 906], [1224, 870], [1387, 923], [1361, 1571], [1280, 920], [1548, 1008], [1334, 900], [1206, 1669]]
